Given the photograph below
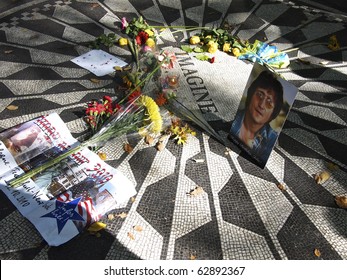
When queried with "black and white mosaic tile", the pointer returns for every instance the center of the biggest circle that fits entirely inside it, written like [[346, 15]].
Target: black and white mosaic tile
[[242, 214]]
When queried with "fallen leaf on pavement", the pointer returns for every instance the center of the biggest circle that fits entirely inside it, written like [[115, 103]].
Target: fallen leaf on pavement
[[95, 81], [197, 191], [138, 228], [131, 236], [128, 148], [341, 201], [281, 187], [322, 177], [317, 253], [12, 107], [122, 215]]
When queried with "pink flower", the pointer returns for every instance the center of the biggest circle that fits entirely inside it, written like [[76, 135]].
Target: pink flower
[[124, 23], [168, 59]]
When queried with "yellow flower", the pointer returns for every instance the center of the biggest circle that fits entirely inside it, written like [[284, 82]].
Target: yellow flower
[[122, 41], [194, 40], [212, 47], [149, 32], [226, 47], [150, 43], [154, 117], [236, 52]]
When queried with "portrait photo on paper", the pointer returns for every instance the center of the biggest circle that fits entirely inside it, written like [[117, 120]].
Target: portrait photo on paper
[[262, 112]]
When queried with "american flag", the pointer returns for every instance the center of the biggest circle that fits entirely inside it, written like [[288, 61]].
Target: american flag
[[85, 208]]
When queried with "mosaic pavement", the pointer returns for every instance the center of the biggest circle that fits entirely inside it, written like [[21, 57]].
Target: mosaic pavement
[[242, 213]]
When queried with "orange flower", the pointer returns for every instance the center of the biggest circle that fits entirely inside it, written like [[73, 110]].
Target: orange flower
[[161, 99]]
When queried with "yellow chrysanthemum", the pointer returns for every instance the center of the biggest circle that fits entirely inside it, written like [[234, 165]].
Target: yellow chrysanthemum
[[226, 47], [236, 52], [150, 43], [194, 40], [212, 47], [152, 112], [149, 32], [122, 41]]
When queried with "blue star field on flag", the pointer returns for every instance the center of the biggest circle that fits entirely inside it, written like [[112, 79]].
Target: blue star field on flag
[[64, 212]]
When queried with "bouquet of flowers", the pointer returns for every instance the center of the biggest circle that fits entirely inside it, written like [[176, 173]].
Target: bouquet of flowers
[[141, 114]]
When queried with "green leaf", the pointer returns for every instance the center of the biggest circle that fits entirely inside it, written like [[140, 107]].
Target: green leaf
[[198, 50], [220, 31], [202, 57], [187, 48]]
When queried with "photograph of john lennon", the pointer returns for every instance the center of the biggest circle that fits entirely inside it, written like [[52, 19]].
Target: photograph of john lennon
[[262, 112]]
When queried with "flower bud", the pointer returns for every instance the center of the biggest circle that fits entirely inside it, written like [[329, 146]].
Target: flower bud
[[236, 52], [194, 40], [212, 47], [122, 41], [150, 43], [226, 47]]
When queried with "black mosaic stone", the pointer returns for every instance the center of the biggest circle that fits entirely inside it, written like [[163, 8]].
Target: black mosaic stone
[[75, 249], [191, 244], [305, 239], [302, 185]]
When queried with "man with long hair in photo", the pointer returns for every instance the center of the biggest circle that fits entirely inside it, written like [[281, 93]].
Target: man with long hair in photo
[[263, 104]]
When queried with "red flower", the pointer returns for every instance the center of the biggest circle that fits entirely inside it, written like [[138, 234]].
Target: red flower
[[212, 60], [107, 99], [134, 95], [141, 38]]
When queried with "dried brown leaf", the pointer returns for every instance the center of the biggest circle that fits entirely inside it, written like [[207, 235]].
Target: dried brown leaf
[[317, 252], [281, 187], [94, 5], [132, 199], [341, 201], [192, 257], [138, 228], [332, 166], [128, 148], [110, 216], [322, 177], [122, 215], [131, 236], [149, 139], [95, 81], [160, 146], [12, 107], [197, 191]]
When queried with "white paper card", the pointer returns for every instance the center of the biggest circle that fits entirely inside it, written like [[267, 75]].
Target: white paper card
[[99, 62]]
